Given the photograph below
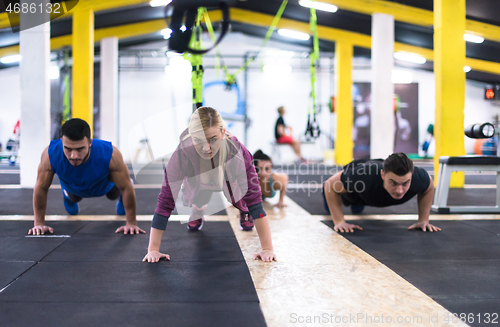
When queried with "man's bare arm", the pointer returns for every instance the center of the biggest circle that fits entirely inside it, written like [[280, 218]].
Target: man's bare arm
[[281, 130], [424, 209], [333, 189], [280, 182], [118, 171], [44, 179]]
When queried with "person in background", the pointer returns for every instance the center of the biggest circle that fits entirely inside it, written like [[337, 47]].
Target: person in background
[[283, 134], [269, 181]]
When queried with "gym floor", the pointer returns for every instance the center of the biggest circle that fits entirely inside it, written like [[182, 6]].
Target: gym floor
[[381, 275]]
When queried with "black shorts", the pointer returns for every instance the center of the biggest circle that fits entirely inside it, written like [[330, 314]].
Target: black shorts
[[113, 194]]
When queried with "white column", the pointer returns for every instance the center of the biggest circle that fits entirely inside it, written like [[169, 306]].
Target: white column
[[382, 112], [35, 91], [109, 89]]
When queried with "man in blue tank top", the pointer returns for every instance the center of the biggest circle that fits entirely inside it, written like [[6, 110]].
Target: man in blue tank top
[[86, 168]]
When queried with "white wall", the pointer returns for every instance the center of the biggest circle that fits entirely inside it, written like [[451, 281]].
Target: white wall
[[156, 105], [10, 102]]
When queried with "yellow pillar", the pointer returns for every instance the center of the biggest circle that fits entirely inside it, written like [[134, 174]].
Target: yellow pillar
[[344, 144], [449, 61], [83, 64]]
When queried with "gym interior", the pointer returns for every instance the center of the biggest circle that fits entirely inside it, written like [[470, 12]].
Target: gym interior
[[355, 79]]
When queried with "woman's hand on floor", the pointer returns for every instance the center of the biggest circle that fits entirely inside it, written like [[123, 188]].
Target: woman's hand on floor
[[155, 256], [266, 256]]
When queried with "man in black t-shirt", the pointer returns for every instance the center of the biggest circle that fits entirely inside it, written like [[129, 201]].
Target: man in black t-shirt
[[379, 183], [282, 137]]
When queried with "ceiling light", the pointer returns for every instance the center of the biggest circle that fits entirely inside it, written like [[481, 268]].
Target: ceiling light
[[166, 32], [473, 38], [10, 59], [158, 3], [467, 69], [318, 5], [411, 57], [293, 34]]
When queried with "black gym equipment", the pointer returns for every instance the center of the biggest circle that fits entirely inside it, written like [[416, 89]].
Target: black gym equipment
[[184, 12], [448, 165], [480, 131]]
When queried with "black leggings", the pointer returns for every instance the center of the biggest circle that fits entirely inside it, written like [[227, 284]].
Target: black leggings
[[113, 194]]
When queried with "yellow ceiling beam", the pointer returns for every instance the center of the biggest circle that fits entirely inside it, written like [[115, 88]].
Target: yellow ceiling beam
[[326, 33], [483, 65], [400, 12], [488, 31], [5, 22], [7, 51], [424, 52], [412, 15], [336, 35], [122, 32], [131, 30], [95, 5], [262, 20], [98, 5]]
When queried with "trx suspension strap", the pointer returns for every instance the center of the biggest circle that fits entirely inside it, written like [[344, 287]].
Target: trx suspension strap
[[231, 78], [194, 57], [66, 101], [210, 30], [312, 130], [196, 63]]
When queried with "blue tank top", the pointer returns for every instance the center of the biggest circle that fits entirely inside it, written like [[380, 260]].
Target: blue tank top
[[273, 191], [91, 178]]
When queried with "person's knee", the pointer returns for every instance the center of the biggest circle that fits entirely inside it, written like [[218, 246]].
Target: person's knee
[[114, 193], [71, 197], [74, 198]]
